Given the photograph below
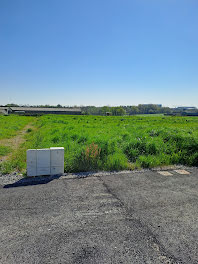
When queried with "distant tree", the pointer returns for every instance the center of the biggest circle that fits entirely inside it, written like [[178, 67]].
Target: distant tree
[[151, 111], [12, 105], [105, 109], [166, 110], [121, 111], [125, 110], [133, 110], [118, 111]]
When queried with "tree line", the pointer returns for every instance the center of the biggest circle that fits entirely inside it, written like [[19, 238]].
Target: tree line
[[125, 110], [113, 110]]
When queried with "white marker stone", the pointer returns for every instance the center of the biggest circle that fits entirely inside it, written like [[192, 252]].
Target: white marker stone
[[165, 173], [183, 172]]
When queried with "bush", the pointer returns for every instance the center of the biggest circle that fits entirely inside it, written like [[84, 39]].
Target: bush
[[91, 155], [28, 130], [86, 160]]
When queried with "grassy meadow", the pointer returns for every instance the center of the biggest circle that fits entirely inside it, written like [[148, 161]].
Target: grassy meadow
[[10, 125], [109, 143]]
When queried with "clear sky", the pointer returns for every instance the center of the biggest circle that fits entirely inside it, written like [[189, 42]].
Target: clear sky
[[99, 52]]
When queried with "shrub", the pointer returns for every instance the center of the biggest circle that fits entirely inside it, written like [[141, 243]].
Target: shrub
[[86, 160], [91, 155]]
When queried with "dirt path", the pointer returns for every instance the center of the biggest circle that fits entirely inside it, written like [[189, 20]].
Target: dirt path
[[14, 142]]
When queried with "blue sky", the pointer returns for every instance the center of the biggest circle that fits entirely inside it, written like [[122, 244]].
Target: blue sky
[[99, 52]]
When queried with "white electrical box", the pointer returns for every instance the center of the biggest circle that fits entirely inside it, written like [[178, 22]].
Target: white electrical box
[[57, 170], [31, 157], [57, 156], [31, 162], [43, 158], [31, 171], [45, 161]]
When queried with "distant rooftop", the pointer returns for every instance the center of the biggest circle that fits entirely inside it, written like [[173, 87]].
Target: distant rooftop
[[39, 110], [45, 109], [186, 107]]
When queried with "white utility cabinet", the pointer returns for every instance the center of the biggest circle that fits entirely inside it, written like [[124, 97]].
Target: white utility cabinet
[[31, 162], [57, 160], [45, 161], [43, 158], [57, 156]]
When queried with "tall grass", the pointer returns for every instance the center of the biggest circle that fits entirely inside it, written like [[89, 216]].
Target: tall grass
[[10, 125], [4, 150], [115, 143]]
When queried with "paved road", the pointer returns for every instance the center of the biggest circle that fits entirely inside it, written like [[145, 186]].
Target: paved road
[[142, 217]]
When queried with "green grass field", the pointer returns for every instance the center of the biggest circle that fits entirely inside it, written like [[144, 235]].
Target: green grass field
[[95, 143], [4, 150], [10, 125]]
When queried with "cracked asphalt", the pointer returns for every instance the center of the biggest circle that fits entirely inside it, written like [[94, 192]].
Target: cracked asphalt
[[141, 217]]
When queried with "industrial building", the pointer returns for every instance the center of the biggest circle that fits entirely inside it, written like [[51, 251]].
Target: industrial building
[[3, 110], [184, 111], [40, 111]]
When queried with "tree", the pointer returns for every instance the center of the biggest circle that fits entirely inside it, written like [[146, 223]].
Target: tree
[[133, 110], [12, 105]]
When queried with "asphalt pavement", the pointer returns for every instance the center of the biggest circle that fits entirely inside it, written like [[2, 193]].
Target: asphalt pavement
[[137, 217]]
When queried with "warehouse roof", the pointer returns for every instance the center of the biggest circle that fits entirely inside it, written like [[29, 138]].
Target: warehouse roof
[[45, 109], [3, 107]]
